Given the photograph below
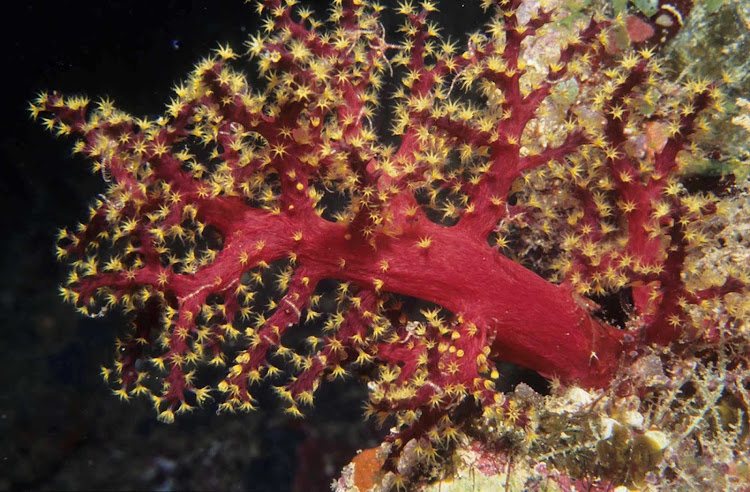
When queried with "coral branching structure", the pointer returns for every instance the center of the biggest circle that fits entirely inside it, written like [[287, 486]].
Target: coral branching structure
[[528, 174]]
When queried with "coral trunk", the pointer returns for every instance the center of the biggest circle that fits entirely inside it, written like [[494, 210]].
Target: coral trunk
[[534, 323]]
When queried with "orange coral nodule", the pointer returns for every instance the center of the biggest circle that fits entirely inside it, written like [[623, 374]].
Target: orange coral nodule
[[367, 468]]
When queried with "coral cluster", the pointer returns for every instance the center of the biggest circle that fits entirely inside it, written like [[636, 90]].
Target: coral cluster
[[269, 225]]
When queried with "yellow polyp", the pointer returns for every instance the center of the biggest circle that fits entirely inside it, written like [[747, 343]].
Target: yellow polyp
[[167, 416], [424, 242]]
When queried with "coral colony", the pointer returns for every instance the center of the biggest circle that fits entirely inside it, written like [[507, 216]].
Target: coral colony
[[268, 225]]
